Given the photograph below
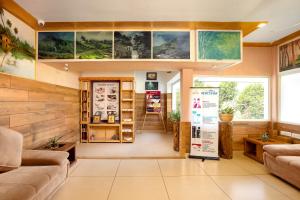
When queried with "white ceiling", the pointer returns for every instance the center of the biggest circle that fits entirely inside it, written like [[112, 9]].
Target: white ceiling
[[283, 15]]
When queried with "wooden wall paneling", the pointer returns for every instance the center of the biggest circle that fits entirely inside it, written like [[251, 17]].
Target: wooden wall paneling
[[184, 138], [287, 127], [39, 110], [247, 129]]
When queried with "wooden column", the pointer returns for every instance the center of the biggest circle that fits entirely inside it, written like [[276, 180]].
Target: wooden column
[[225, 140]]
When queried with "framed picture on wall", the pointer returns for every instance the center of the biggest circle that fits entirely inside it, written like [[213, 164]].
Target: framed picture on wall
[[151, 85], [151, 76]]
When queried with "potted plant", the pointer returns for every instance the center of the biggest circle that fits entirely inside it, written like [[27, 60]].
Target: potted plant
[[226, 114], [53, 143], [175, 119]]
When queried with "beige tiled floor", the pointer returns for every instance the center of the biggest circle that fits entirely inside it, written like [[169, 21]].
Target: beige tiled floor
[[172, 179]]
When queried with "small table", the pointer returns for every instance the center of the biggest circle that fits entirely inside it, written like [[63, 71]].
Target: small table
[[69, 147], [253, 147]]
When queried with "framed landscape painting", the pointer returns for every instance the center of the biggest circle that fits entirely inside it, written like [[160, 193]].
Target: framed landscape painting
[[171, 45], [94, 45], [132, 45], [219, 45], [56, 45], [289, 55]]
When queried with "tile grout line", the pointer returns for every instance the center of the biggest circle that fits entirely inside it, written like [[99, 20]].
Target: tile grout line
[[112, 184], [163, 180], [219, 186]]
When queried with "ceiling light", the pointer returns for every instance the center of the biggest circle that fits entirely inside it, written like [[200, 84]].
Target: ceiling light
[[261, 25], [66, 67]]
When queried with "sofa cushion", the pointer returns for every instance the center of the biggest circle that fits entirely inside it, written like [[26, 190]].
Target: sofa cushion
[[11, 144], [283, 149], [26, 182], [44, 157], [293, 161]]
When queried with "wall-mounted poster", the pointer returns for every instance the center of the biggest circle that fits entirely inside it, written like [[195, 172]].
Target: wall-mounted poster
[[56, 45], [171, 45], [132, 44], [17, 53], [151, 85], [219, 45], [106, 99], [153, 103], [204, 123], [94, 45], [289, 55]]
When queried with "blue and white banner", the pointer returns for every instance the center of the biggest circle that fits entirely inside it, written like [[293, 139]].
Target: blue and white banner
[[204, 122]]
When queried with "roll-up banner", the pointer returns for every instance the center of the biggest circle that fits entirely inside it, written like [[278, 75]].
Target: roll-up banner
[[204, 122]]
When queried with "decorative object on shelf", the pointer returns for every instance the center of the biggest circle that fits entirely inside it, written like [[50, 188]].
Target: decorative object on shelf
[[132, 44], [265, 137], [219, 45], [111, 118], [94, 45], [175, 119], [289, 55], [53, 143], [17, 53], [151, 85], [171, 45], [97, 117], [152, 76], [226, 114], [56, 45]]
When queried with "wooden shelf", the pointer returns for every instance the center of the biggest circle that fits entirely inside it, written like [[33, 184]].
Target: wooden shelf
[[104, 125], [127, 100], [104, 132], [111, 141]]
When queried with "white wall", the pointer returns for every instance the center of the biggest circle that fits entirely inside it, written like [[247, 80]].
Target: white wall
[[162, 79], [46, 73]]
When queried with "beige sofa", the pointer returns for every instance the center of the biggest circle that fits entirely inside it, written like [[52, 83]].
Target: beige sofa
[[29, 174], [283, 160]]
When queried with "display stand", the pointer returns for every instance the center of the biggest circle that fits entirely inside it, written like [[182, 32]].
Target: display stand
[[123, 129], [153, 107]]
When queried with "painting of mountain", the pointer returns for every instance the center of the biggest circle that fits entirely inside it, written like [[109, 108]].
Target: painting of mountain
[[17, 52], [219, 45], [94, 45], [171, 45], [56, 45], [132, 45]]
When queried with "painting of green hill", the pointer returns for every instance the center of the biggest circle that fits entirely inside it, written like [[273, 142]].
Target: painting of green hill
[[219, 45], [171, 45], [56, 45], [94, 45]]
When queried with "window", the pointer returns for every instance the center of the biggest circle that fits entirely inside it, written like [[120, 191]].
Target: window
[[248, 96], [176, 96], [290, 97]]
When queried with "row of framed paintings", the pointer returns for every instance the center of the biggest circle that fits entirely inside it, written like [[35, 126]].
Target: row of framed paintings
[[138, 45]]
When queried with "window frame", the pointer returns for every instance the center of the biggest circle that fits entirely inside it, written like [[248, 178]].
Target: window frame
[[279, 98], [269, 101]]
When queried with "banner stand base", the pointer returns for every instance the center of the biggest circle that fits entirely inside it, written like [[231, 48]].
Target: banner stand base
[[204, 158]]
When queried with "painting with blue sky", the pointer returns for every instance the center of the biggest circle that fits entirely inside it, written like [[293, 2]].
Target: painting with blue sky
[[171, 45]]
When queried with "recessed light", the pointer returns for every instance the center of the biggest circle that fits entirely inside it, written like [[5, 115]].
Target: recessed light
[[261, 25], [66, 67]]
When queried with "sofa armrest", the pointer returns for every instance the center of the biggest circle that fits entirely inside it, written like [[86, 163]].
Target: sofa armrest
[[44, 157], [283, 149]]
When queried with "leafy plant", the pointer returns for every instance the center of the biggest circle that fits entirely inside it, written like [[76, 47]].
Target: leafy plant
[[53, 143], [174, 116], [227, 110]]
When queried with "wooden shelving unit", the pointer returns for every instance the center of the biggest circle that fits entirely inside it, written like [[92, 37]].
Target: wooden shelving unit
[[119, 132]]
